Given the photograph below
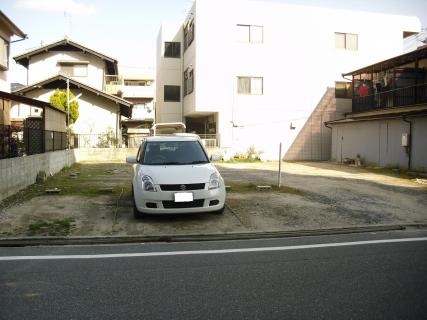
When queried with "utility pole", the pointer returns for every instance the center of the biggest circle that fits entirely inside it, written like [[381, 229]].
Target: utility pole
[[68, 112], [279, 182]]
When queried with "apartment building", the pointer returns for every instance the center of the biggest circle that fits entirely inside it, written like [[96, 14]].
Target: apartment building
[[257, 73], [136, 85]]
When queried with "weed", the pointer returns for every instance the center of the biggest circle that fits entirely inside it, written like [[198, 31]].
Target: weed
[[56, 227]]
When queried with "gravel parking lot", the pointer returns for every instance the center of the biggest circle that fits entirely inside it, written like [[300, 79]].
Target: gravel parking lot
[[314, 195]]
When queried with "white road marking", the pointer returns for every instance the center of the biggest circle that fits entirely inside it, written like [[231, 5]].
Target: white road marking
[[217, 251]]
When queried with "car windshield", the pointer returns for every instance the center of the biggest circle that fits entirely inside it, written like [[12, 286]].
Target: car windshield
[[173, 153]]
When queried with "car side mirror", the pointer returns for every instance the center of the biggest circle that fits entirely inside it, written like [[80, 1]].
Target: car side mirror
[[131, 159], [215, 157]]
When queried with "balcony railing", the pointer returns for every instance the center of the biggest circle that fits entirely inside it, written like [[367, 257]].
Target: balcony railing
[[400, 97], [113, 84]]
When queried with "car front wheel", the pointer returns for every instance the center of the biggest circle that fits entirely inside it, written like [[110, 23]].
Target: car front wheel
[[220, 211], [136, 213]]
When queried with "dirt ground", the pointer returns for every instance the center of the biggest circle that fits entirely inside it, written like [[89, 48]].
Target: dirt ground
[[314, 195]]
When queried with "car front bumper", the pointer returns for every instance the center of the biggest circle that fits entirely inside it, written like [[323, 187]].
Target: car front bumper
[[204, 201]]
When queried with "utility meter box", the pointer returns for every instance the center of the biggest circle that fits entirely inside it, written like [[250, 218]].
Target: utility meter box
[[405, 139]]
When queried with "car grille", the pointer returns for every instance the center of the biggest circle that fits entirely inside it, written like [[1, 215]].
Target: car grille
[[182, 187], [182, 205]]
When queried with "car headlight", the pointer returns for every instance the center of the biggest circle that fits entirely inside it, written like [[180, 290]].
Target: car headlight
[[214, 182], [147, 184]]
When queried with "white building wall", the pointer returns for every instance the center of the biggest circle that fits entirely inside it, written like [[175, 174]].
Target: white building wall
[[97, 115], [297, 59], [169, 72], [44, 66], [4, 84]]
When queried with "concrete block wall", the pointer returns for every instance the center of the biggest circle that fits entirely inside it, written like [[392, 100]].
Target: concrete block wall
[[103, 154], [19, 173]]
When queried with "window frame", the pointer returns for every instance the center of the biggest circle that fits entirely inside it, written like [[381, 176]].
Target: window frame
[[188, 34], [170, 100], [346, 92], [7, 52], [251, 78], [188, 78], [249, 35], [346, 41], [173, 43]]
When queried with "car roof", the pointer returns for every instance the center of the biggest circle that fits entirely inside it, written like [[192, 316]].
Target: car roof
[[170, 138]]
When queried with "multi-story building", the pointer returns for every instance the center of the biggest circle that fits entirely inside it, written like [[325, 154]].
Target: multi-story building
[[258, 73], [137, 86], [7, 30], [52, 66]]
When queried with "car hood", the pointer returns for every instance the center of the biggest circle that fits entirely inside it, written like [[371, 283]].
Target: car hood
[[181, 174]]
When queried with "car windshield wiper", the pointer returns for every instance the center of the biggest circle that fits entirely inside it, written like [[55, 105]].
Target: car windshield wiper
[[199, 161], [169, 163]]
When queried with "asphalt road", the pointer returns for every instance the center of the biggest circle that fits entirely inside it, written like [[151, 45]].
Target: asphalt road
[[357, 276]]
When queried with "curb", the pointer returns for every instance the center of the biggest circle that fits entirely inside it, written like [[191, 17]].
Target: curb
[[51, 241]]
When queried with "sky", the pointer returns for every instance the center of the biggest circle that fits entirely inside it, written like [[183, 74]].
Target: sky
[[127, 29]]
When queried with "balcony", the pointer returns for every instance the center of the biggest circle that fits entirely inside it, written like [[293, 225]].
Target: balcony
[[129, 88], [400, 97]]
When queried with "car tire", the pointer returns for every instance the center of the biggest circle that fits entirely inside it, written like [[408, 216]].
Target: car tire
[[220, 211], [136, 213]]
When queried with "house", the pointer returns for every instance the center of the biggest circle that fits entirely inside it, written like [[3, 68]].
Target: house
[[54, 65], [7, 30], [387, 125], [249, 73]]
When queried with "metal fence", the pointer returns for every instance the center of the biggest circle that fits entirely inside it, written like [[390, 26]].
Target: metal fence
[[17, 141], [130, 140], [400, 97]]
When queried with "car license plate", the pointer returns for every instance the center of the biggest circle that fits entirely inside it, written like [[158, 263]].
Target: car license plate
[[183, 197]]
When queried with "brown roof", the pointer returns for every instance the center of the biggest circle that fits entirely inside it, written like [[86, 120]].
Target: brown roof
[[66, 45], [28, 101], [59, 81], [409, 57]]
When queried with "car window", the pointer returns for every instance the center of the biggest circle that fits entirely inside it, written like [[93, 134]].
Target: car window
[[138, 156], [173, 153]]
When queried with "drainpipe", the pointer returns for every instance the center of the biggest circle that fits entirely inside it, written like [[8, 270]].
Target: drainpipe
[[409, 147]]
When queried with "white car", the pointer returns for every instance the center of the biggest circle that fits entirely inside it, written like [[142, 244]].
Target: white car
[[173, 174]]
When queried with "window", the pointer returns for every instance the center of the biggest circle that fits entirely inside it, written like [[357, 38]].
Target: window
[[140, 83], [343, 89], [173, 153], [172, 94], [188, 81], [346, 41], [172, 49], [4, 53], [188, 34], [73, 68], [249, 33], [250, 85]]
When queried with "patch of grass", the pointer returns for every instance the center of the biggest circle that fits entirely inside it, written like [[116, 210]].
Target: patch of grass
[[56, 227], [86, 183], [250, 187], [389, 172]]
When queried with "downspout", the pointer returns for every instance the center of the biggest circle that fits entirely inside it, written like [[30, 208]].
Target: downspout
[[409, 147]]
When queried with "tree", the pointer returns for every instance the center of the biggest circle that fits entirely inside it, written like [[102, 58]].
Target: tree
[[59, 100]]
